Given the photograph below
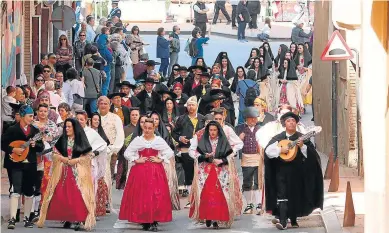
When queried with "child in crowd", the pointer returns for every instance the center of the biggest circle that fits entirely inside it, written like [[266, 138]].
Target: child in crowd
[[265, 31]]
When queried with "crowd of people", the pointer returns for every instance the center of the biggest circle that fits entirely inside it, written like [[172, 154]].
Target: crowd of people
[[82, 130]]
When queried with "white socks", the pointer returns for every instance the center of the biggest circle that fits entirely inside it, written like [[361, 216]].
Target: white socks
[[258, 196], [27, 205], [248, 196], [37, 201], [13, 207]]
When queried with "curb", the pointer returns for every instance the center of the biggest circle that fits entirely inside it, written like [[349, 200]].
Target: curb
[[330, 220], [225, 35]]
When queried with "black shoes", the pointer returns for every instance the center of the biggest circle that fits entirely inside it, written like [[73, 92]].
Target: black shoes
[[249, 209], [11, 223], [146, 226], [27, 223], [215, 225], [150, 226], [34, 217], [185, 193], [294, 223], [154, 227], [208, 223], [67, 225], [281, 226]]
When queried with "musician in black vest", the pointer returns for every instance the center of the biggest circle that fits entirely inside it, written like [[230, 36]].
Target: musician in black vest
[[295, 188], [23, 174], [200, 16]]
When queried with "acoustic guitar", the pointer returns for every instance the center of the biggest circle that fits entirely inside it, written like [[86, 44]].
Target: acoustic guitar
[[24, 145], [292, 145]]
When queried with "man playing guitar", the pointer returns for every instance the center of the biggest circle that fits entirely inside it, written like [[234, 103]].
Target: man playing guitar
[[293, 188], [23, 174]]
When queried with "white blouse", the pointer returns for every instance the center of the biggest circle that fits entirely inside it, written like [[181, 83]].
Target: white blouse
[[140, 143]]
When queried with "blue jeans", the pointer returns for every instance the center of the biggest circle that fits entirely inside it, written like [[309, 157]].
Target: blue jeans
[[263, 36], [92, 105], [241, 117], [105, 86], [241, 30], [164, 66]]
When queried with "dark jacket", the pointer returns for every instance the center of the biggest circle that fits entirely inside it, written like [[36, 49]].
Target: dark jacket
[[126, 114], [15, 133], [184, 127], [162, 47], [181, 104], [200, 18], [149, 104], [242, 9], [254, 7], [299, 36]]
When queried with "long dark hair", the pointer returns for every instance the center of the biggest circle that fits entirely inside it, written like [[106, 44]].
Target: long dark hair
[[175, 112], [162, 130], [100, 129], [135, 28], [234, 84], [81, 144]]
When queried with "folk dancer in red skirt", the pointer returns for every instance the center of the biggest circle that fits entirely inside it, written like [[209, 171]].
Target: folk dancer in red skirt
[[146, 197], [213, 188], [70, 195]]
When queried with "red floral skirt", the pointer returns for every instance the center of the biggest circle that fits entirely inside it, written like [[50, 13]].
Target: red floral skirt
[[213, 204], [67, 203], [146, 197], [283, 97], [101, 197]]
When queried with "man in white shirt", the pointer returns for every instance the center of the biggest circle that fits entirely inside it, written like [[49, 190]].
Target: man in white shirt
[[90, 32]]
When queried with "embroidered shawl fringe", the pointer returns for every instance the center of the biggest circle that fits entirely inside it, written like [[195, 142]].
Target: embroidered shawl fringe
[[84, 183]]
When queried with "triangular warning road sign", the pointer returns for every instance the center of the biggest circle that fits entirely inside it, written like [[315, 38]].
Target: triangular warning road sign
[[336, 49]]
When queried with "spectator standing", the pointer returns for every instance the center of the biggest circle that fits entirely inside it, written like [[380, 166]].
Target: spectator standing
[[6, 109], [90, 32], [136, 45], [265, 31], [234, 4], [163, 51], [174, 47], [298, 35], [200, 16], [221, 5], [79, 47], [64, 55], [55, 99], [243, 18], [38, 69], [82, 28], [196, 45], [77, 87], [92, 80], [254, 7], [102, 23], [107, 55]]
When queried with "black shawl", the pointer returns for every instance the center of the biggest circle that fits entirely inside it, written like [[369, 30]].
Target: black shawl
[[268, 50], [281, 55], [234, 84], [267, 60], [162, 130], [307, 57], [293, 55], [81, 144], [291, 75], [223, 148], [175, 112], [250, 57]]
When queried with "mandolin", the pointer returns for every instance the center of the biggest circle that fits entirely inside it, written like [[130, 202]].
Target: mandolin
[[292, 145], [24, 145]]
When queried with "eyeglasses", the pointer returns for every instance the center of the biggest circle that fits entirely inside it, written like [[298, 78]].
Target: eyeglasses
[[82, 35], [46, 71]]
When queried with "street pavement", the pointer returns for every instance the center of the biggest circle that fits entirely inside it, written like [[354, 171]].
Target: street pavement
[[237, 52]]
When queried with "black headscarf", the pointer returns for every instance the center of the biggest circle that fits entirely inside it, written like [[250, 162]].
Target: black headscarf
[[309, 47], [252, 67], [291, 75], [175, 112], [293, 55], [100, 129], [230, 69], [220, 57], [281, 56], [162, 130], [307, 56], [234, 84], [205, 65], [81, 144], [264, 72], [250, 57], [223, 148], [268, 50], [267, 60]]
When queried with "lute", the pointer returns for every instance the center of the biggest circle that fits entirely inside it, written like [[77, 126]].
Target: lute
[[24, 145], [292, 145]]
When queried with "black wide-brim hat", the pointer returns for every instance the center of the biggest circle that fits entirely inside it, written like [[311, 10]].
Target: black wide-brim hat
[[217, 94], [202, 68], [126, 83], [205, 74], [170, 93], [110, 96], [289, 115], [148, 80]]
